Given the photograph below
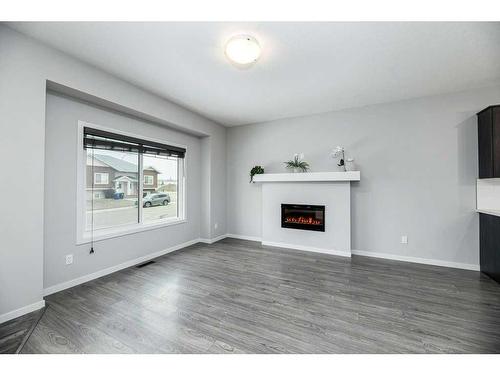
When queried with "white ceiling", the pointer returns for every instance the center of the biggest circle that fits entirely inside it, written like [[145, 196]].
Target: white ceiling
[[305, 68]]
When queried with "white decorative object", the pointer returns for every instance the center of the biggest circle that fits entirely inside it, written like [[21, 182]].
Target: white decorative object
[[349, 165], [338, 153], [299, 158]]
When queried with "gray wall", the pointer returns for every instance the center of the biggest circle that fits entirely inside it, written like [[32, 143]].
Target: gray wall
[[25, 67], [62, 115], [418, 162]]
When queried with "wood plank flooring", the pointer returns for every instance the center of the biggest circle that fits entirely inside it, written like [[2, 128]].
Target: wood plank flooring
[[13, 333], [238, 297]]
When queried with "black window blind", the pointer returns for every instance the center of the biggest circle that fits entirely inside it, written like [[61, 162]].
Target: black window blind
[[103, 140]]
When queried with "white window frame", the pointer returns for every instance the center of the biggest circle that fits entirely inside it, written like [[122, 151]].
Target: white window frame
[[83, 235], [101, 174], [152, 179]]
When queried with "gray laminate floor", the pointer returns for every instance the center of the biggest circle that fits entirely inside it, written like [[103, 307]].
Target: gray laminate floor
[[15, 332], [237, 297]]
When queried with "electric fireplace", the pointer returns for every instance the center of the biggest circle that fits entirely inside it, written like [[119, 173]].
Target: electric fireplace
[[302, 216]]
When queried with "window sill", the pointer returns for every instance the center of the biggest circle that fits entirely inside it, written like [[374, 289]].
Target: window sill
[[103, 234]]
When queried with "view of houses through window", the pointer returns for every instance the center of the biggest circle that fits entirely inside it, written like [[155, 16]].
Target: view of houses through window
[[160, 188], [114, 187]]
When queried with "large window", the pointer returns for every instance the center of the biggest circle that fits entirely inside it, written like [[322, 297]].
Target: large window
[[129, 183]]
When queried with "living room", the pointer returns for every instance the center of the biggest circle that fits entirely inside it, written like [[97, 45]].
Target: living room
[[250, 187]]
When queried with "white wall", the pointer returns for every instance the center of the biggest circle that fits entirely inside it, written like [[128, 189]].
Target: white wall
[[25, 67], [418, 162]]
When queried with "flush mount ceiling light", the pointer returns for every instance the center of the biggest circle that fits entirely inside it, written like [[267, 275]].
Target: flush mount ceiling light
[[242, 50]]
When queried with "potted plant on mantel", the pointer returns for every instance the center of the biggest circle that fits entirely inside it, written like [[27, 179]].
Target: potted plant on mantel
[[256, 170], [297, 164]]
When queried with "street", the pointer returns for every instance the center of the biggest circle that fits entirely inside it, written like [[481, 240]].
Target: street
[[129, 215]]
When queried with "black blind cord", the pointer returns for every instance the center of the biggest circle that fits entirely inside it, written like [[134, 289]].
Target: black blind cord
[[92, 205]]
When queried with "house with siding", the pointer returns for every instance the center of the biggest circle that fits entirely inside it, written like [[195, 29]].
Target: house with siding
[[112, 175]]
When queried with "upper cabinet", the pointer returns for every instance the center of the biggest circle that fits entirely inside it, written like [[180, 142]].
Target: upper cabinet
[[488, 131]]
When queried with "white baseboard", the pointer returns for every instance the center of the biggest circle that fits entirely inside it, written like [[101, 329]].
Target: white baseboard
[[83, 279], [21, 311], [402, 258], [290, 246], [212, 240], [308, 248], [432, 262], [240, 237]]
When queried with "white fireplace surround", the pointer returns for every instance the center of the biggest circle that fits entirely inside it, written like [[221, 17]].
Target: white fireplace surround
[[329, 189]]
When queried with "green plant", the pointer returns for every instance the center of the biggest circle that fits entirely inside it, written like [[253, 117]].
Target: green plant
[[297, 163], [256, 170]]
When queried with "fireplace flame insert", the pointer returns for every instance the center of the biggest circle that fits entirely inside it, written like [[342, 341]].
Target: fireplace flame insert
[[303, 216]]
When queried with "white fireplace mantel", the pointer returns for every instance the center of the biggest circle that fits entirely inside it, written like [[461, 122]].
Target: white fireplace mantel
[[308, 176]]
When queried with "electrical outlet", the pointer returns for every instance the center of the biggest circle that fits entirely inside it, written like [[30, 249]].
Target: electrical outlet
[[216, 225], [69, 259], [404, 239]]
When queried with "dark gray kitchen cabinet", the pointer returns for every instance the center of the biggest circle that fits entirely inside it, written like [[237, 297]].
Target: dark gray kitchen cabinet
[[489, 243], [488, 131]]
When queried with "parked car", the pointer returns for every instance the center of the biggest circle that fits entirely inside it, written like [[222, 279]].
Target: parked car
[[156, 199]]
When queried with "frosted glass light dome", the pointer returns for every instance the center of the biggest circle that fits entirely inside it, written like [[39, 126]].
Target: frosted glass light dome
[[243, 50]]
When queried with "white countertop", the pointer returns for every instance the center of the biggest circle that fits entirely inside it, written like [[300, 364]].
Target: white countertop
[[489, 212], [308, 177]]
